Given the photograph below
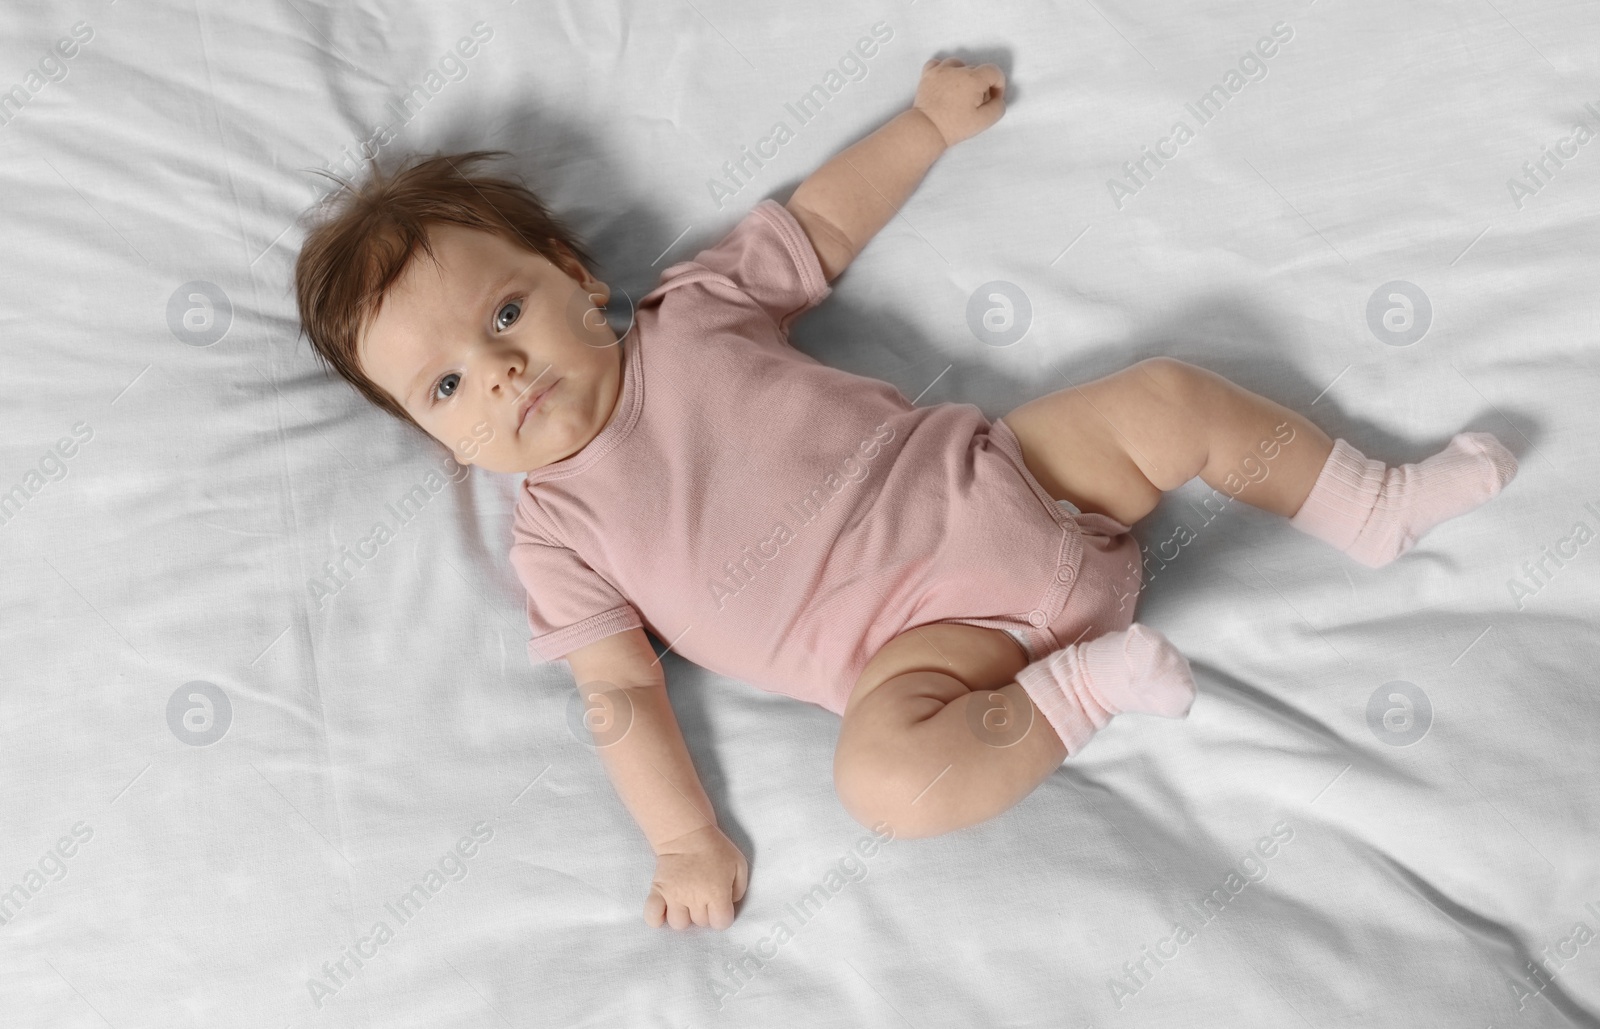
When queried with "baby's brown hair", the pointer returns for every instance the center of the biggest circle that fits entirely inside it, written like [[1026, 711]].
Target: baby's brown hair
[[371, 232]]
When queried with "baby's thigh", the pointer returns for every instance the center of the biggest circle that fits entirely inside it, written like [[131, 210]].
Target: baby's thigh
[[1107, 446], [910, 680], [979, 658]]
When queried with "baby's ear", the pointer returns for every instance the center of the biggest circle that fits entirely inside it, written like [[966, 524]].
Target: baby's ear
[[568, 262]]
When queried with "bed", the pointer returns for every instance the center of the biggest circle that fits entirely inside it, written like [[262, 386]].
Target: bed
[[232, 751]]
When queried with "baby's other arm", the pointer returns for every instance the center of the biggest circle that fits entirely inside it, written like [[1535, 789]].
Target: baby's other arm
[[843, 204], [700, 874]]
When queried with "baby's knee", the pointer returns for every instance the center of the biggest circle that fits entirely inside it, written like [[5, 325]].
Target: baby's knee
[[1173, 378], [877, 796], [864, 810], [854, 785]]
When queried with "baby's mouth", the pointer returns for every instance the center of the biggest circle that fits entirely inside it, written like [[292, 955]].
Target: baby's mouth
[[534, 403]]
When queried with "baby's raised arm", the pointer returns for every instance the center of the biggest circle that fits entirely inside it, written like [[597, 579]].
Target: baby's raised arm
[[700, 874], [843, 204]]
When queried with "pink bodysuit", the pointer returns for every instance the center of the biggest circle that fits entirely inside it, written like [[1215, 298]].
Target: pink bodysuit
[[776, 520]]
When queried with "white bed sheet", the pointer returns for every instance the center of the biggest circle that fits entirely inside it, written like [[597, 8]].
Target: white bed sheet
[[209, 885]]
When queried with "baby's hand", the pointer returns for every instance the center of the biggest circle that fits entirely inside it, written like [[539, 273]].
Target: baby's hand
[[699, 877], [958, 99]]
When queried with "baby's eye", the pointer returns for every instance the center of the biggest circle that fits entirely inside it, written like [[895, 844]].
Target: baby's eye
[[509, 304], [442, 380]]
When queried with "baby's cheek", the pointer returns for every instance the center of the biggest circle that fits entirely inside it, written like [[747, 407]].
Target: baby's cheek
[[460, 447]]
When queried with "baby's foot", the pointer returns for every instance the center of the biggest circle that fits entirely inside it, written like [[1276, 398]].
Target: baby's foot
[[1375, 513], [1137, 670], [1080, 688], [1414, 498]]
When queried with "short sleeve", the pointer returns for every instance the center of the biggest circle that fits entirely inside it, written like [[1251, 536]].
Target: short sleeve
[[570, 605], [769, 257]]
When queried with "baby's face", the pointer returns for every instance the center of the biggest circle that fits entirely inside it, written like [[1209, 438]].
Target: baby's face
[[467, 344]]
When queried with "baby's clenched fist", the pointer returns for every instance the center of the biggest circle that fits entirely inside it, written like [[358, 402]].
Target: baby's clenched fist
[[960, 101], [699, 877]]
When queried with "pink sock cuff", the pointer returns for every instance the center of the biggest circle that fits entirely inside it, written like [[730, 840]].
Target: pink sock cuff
[[1056, 685], [1343, 497]]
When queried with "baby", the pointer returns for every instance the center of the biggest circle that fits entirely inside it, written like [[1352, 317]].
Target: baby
[[801, 528]]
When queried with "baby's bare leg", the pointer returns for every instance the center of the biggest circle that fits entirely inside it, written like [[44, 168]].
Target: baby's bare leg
[[1115, 444], [948, 727], [938, 735]]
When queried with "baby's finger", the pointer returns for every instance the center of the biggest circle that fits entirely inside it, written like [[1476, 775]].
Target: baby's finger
[[697, 912], [655, 909], [721, 913], [678, 916], [992, 78], [741, 879]]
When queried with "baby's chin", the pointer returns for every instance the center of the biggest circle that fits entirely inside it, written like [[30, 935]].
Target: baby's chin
[[506, 464], [501, 464], [558, 438]]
